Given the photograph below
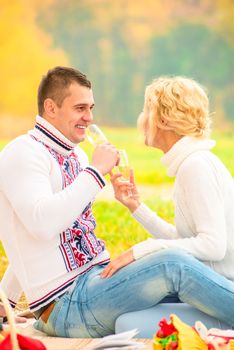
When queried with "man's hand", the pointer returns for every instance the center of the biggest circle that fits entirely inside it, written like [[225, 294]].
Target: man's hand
[[18, 319], [105, 157], [116, 264]]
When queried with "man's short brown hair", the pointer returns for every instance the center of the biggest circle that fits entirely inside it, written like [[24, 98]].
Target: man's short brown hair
[[55, 85]]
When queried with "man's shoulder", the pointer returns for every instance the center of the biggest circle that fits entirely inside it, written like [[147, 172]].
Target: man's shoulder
[[21, 142], [23, 148], [22, 154]]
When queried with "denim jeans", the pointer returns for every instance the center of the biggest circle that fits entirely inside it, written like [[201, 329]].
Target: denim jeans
[[92, 304]]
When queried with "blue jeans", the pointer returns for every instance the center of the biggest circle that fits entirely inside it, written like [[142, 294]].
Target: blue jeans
[[91, 306]]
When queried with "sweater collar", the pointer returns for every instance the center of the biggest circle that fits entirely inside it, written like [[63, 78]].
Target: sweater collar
[[182, 149], [47, 133]]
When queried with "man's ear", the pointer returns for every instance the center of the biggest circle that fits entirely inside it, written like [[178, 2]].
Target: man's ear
[[50, 108]]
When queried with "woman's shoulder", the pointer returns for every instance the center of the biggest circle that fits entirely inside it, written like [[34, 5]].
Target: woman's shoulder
[[201, 163]]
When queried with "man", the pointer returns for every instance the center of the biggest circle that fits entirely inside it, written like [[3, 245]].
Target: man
[[47, 189]]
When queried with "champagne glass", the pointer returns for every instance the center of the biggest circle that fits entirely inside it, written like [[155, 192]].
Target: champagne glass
[[95, 135], [124, 168], [123, 165]]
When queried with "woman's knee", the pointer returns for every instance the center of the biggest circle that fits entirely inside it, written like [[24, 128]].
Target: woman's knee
[[174, 255]]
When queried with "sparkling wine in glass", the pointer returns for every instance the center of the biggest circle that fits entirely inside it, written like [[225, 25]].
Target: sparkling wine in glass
[[123, 165], [124, 169], [95, 135]]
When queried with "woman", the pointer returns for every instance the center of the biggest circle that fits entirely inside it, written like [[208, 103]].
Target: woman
[[176, 120]]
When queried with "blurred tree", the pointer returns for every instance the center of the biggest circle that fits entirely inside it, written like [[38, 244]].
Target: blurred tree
[[122, 44], [25, 55], [229, 103], [195, 51], [106, 59], [225, 22]]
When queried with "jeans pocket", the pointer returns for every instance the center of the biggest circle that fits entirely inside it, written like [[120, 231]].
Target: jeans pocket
[[96, 327], [55, 323], [81, 323]]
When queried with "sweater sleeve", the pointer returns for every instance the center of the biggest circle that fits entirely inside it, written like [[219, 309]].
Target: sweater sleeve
[[11, 287], [153, 223], [204, 202], [25, 181]]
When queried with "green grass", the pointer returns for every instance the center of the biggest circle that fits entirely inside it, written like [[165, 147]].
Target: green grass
[[224, 148], [115, 224], [3, 143], [119, 229]]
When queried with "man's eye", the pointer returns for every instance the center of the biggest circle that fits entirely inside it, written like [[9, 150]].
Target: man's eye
[[80, 109]]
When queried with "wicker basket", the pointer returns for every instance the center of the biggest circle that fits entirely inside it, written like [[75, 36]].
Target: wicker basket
[[11, 321]]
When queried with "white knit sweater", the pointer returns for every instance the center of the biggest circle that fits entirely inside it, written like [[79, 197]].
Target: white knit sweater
[[204, 203], [35, 210]]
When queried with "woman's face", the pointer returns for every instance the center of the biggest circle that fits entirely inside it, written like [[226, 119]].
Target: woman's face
[[156, 130], [160, 138], [149, 128], [155, 136], [143, 123]]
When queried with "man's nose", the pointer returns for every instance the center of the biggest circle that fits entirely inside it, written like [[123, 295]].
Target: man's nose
[[88, 115]]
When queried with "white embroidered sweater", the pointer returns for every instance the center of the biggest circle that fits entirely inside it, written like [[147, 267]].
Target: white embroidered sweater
[[204, 203], [36, 212]]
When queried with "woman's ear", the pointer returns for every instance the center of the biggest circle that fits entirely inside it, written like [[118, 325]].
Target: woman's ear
[[164, 122]]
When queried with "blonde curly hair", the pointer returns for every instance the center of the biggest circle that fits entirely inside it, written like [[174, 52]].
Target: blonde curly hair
[[178, 104]]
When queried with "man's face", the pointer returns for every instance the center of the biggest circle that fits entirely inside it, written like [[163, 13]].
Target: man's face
[[75, 114]]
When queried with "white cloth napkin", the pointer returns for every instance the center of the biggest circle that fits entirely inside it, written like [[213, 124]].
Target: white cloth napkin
[[119, 341]]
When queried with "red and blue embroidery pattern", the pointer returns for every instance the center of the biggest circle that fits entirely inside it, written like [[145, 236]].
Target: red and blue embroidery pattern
[[78, 243]]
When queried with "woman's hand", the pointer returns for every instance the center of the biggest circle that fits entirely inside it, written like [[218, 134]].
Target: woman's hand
[[125, 192], [116, 264]]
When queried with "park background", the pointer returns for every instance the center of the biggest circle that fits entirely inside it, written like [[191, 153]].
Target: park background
[[121, 45]]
